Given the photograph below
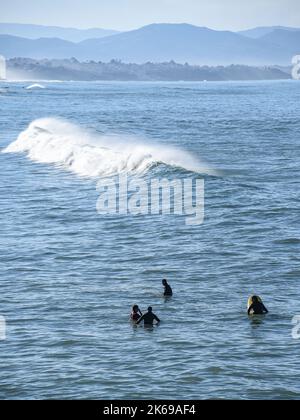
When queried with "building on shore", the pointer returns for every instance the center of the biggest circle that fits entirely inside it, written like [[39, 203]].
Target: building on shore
[[2, 68]]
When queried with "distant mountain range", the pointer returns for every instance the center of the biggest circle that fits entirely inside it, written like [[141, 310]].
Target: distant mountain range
[[264, 30], [165, 42], [39, 31]]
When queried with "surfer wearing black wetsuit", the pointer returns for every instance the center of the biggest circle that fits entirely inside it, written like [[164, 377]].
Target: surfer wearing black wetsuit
[[257, 307], [168, 289], [149, 318]]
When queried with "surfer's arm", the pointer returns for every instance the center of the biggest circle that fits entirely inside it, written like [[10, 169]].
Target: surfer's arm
[[157, 319], [265, 309], [140, 320], [250, 309]]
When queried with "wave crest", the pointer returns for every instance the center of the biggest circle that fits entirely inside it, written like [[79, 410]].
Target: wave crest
[[87, 153]]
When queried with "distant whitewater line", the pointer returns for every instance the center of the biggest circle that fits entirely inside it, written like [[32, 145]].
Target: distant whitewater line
[[89, 154]]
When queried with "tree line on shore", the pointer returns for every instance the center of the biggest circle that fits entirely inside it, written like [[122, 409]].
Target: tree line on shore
[[72, 69]]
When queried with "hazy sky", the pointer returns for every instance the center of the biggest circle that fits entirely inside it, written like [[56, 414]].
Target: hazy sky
[[130, 14]]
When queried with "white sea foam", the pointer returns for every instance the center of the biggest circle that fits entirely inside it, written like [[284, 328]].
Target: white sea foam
[[88, 153], [35, 86]]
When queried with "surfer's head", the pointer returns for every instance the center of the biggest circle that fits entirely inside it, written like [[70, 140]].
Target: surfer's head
[[150, 309]]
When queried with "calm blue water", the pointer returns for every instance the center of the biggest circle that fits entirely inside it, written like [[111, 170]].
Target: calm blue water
[[69, 276]]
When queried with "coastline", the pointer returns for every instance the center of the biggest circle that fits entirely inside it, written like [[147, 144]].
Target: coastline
[[73, 70]]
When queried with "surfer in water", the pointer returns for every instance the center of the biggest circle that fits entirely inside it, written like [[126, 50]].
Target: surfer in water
[[257, 307], [168, 289], [149, 318], [135, 313]]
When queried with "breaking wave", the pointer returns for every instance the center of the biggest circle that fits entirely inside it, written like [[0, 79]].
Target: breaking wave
[[88, 153]]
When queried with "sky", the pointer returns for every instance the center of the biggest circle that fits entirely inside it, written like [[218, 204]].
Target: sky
[[131, 14]]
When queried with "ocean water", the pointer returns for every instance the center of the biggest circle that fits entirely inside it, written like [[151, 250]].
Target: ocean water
[[69, 275]]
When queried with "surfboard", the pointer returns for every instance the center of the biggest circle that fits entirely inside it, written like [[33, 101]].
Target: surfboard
[[250, 301]]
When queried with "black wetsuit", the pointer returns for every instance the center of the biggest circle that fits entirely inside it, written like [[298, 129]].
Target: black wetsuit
[[168, 290], [148, 318], [257, 308]]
